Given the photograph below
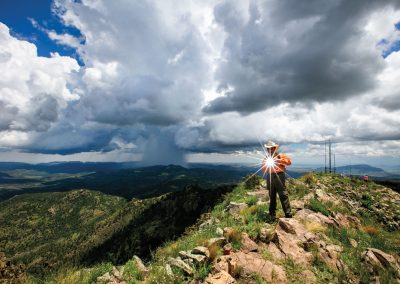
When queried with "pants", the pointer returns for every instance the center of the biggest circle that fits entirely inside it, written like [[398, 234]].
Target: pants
[[278, 185]]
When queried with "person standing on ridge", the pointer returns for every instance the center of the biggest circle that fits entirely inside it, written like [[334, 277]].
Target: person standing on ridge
[[274, 165]]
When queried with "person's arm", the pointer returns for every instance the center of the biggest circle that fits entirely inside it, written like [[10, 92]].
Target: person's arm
[[284, 160]]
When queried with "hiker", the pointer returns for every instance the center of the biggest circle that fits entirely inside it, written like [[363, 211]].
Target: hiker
[[276, 182]]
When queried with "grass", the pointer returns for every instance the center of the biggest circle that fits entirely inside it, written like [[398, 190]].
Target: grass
[[318, 206], [131, 272], [258, 278], [202, 271], [293, 271], [251, 200]]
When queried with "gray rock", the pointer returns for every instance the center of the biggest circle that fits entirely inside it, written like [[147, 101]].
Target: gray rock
[[139, 265], [219, 232], [201, 250], [234, 208], [198, 258], [179, 263], [216, 241]]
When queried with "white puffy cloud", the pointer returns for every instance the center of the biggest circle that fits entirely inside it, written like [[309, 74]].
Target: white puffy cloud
[[33, 89]]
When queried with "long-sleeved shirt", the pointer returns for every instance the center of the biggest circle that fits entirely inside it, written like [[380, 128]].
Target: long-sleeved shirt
[[281, 161]]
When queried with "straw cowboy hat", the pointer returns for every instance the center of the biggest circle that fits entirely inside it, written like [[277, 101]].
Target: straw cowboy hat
[[271, 144]]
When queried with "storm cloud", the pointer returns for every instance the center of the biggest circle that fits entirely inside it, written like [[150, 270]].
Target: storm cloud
[[166, 78]]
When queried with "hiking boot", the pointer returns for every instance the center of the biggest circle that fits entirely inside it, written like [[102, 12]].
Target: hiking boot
[[271, 219]]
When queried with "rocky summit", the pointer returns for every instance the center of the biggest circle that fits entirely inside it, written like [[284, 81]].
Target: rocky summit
[[343, 230]]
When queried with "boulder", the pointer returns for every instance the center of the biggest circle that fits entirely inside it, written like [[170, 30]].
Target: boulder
[[116, 273], [179, 263], [198, 258], [353, 243], [209, 222], [168, 270], [246, 264], [216, 241], [247, 243], [221, 264], [330, 256], [377, 257], [308, 277], [261, 194], [139, 265], [234, 208], [275, 251], [266, 234], [346, 221], [221, 277], [201, 250], [289, 233], [219, 232], [307, 215], [297, 204]]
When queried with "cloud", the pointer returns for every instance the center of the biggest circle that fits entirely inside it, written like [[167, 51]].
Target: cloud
[[33, 89], [166, 78], [139, 67], [317, 52]]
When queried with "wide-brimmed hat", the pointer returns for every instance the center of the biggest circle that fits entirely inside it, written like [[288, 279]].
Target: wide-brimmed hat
[[271, 144]]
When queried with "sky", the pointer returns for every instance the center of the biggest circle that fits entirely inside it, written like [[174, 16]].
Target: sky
[[199, 81]]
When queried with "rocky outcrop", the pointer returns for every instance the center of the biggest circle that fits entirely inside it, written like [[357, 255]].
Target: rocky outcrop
[[234, 208], [221, 277], [378, 258], [246, 264], [115, 277], [180, 264], [11, 273]]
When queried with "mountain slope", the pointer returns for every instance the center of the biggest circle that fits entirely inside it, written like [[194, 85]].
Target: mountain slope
[[43, 229], [129, 183], [340, 233], [48, 231]]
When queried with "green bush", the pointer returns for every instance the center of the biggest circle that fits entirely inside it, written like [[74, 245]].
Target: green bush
[[318, 206], [252, 181], [251, 200], [366, 200]]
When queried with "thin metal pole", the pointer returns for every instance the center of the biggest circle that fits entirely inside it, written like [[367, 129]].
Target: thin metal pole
[[330, 157], [325, 155], [334, 162]]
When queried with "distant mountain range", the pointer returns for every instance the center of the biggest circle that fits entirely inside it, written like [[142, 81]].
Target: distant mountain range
[[361, 170]]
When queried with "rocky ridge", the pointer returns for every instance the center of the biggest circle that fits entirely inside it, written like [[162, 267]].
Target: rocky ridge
[[335, 236]]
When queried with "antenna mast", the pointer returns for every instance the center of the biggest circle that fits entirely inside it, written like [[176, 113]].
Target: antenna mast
[[330, 157]]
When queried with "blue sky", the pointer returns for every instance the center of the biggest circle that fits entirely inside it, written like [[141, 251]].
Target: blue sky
[[198, 81], [17, 15]]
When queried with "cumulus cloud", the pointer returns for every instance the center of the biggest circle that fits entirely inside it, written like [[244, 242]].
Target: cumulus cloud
[[33, 89], [146, 62], [214, 76]]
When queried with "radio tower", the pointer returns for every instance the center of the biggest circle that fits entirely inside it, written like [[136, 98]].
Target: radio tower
[[330, 156], [334, 163]]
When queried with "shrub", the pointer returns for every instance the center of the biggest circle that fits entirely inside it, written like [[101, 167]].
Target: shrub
[[252, 181], [202, 271], [371, 230], [251, 200], [318, 206], [309, 179], [366, 200], [99, 270], [315, 227]]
